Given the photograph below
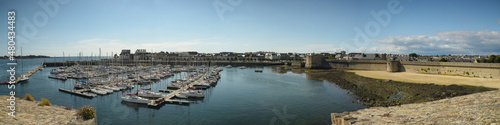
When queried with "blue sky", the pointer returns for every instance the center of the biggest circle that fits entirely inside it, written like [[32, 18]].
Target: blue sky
[[423, 26]]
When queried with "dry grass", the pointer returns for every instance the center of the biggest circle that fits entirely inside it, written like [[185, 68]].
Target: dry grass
[[44, 102], [29, 97], [427, 78]]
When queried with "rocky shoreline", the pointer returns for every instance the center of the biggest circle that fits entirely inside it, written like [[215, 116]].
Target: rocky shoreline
[[393, 102], [376, 92], [28, 112], [479, 108]]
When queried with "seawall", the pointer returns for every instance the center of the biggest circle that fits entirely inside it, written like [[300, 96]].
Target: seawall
[[478, 70]]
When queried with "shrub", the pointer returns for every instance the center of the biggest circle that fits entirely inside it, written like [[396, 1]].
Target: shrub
[[87, 112], [44, 102], [443, 60], [29, 97]]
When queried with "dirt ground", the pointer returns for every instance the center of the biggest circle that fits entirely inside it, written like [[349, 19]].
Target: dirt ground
[[429, 78]]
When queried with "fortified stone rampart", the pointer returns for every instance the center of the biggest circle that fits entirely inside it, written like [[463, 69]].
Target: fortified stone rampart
[[478, 70]]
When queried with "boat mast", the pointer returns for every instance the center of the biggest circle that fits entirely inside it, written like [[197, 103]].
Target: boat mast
[[22, 64]]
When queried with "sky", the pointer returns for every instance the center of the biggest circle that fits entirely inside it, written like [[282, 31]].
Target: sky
[[427, 27]]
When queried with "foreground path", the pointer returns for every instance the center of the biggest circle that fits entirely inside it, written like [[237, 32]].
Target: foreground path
[[479, 108], [428, 78]]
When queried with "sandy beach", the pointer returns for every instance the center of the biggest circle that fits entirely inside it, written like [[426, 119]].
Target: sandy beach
[[429, 78]]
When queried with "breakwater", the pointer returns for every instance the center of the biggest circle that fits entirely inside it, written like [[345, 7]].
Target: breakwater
[[163, 62]]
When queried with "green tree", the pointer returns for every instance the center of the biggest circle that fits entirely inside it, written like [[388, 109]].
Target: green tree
[[412, 55], [492, 59], [483, 60], [331, 57], [497, 59], [443, 60]]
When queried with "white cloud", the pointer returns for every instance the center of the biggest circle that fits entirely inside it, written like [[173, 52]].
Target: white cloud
[[447, 42]]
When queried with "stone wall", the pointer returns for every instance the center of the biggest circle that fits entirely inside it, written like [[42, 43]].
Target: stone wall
[[379, 65], [314, 61], [478, 70]]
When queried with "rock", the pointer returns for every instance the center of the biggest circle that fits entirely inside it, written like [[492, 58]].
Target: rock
[[478, 108]]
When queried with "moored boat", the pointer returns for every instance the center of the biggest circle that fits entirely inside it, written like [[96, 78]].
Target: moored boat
[[192, 94], [134, 98], [98, 92]]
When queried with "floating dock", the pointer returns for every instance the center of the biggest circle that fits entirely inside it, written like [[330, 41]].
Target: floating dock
[[168, 98], [78, 92], [28, 74]]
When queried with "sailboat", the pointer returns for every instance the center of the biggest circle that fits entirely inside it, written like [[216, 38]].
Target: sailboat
[[149, 94], [23, 77], [135, 98]]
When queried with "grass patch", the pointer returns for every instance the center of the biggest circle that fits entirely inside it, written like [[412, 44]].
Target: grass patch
[[29, 97], [44, 102], [86, 112]]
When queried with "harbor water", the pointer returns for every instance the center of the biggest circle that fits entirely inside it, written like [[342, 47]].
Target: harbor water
[[241, 96]]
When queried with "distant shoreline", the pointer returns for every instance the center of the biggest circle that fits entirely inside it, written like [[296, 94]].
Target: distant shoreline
[[28, 58]]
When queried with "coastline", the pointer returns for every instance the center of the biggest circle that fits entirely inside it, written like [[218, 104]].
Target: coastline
[[478, 105], [28, 112], [378, 92]]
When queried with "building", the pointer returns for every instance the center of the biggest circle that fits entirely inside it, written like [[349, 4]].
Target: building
[[272, 56], [140, 54], [125, 54]]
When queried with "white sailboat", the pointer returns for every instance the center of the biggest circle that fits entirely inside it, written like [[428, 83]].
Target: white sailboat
[[23, 77], [134, 98], [149, 94], [192, 94], [98, 92]]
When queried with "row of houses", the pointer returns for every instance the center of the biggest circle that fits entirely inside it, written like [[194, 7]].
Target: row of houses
[[142, 54]]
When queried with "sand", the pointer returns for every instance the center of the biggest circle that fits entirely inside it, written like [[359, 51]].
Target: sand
[[429, 78]]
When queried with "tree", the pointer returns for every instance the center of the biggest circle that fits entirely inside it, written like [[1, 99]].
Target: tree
[[413, 55], [492, 59], [483, 60], [331, 57], [497, 59], [443, 60]]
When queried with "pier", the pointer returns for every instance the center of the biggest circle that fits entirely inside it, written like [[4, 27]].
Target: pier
[[78, 92], [168, 98], [28, 74]]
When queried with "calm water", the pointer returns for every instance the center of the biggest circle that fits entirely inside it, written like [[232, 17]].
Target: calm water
[[242, 96]]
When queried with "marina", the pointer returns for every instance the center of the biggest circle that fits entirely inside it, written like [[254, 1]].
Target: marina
[[102, 80], [240, 93], [28, 74]]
